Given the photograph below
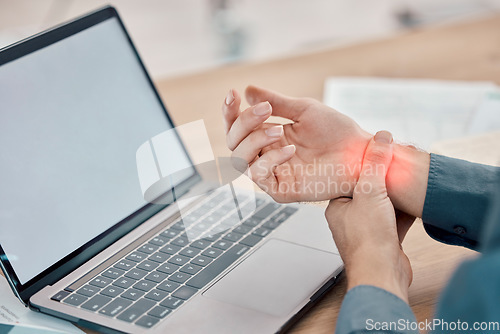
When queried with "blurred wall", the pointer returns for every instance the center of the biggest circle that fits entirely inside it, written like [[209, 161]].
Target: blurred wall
[[176, 37]]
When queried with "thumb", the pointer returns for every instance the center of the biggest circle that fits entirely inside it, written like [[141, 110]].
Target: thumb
[[376, 162], [283, 106]]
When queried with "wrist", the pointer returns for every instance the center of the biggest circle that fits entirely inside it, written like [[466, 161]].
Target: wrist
[[379, 273], [407, 179]]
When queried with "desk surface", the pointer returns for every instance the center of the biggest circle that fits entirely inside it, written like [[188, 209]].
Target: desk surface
[[468, 51]]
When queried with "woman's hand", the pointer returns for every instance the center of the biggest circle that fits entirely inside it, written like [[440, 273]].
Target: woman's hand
[[368, 231], [317, 157]]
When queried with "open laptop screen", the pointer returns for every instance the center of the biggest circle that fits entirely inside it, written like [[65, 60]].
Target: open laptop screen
[[72, 116]]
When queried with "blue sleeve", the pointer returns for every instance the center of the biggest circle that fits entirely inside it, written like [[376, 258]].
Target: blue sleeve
[[473, 293], [457, 199], [367, 308]]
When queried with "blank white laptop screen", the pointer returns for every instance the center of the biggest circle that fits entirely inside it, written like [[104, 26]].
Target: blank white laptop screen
[[72, 116]]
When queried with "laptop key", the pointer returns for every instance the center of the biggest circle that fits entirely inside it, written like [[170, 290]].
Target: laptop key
[[179, 260], [251, 240], [156, 277], [75, 300], [202, 260], [222, 244], [156, 295], [133, 294], [159, 312], [190, 252], [267, 210], [271, 224], [261, 232], [171, 302], [60, 295], [233, 236], [201, 226], [168, 286], [124, 282], [252, 221], [135, 311], [217, 266], [200, 244], [148, 265], [144, 285], [136, 256], [190, 269], [167, 268], [88, 290], [96, 302], [179, 277], [148, 248], [112, 291], [147, 321], [290, 210], [212, 252], [181, 241], [184, 292], [124, 264], [113, 273], [218, 230], [100, 281], [179, 226], [115, 307], [242, 229], [170, 233], [158, 241], [280, 217], [170, 249], [136, 274], [159, 257]]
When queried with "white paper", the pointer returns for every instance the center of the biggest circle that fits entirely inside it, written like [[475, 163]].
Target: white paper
[[13, 312], [416, 111], [486, 118]]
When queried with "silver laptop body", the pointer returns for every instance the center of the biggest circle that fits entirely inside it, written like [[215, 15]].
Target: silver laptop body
[[80, 242]]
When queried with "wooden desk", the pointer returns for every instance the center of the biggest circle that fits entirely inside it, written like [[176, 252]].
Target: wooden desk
[[469, 51]]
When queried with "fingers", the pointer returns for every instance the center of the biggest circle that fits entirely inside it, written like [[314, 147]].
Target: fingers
[[262, 170], [283, 106], [247, 121], [252, 145], [231, 108], [376, 162]]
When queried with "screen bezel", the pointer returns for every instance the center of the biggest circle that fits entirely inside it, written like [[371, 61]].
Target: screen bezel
[[100, 242]]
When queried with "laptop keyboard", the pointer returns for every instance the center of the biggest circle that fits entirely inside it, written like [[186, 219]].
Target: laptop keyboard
[[156, 278]]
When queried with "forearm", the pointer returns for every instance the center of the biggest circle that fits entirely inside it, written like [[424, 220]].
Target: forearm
[[407, 179], [450, 195]]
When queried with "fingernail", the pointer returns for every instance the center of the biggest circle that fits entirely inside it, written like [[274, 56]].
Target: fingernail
[[383, 137], [262, 109], [229, 97], [275, 131], [290, 149]]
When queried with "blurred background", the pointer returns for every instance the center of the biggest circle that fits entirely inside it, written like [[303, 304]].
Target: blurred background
[[177, 37]]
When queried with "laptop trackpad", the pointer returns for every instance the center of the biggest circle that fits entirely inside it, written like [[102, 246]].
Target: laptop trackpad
[[276, 278]]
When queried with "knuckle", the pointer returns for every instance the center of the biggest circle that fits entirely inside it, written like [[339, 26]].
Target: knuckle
[[376, 155], [307, 103]]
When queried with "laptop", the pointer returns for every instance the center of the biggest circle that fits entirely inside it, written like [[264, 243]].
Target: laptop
[[80, 240]]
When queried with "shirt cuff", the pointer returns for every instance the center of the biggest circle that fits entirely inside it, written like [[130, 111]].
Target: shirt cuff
[[367, 308], [457, 199]]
